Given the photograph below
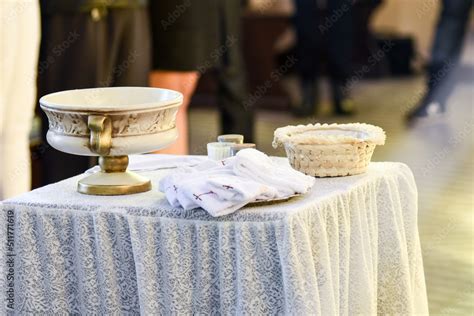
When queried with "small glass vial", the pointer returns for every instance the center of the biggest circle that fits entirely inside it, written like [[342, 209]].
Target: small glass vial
[[218, 150], [235, 148], [231, 138]]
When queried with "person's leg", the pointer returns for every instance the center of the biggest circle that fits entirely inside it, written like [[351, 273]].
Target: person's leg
[[235, 115], [19, 47], [448, 40], [184, 82], [180, 52], [308, 40], [340, 45], [133, 63], [450, 33], [232, 91]]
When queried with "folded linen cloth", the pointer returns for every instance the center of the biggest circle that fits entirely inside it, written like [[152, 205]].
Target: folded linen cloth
[[256, 165], [222, 194], [150, 162], [222, 187]]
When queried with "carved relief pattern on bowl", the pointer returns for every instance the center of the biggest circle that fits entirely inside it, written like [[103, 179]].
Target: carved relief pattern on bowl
[[68, 123], [130, 124]]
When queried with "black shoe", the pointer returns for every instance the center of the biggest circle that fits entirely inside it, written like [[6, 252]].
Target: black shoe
[[304, 110], [344, 107], [427, 109], [307, 107]]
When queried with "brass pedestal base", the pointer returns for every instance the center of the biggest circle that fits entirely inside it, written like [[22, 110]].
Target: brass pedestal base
[[113, 179]]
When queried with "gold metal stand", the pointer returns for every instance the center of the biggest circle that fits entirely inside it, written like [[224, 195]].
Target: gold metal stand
[[113, 179]]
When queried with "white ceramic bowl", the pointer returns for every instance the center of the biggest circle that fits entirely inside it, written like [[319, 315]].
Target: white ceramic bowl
[[142, 119]]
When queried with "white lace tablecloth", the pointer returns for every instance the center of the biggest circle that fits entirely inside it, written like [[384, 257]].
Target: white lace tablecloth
[[348, 247]]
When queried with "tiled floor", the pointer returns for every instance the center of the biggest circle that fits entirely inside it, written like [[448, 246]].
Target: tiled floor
[[439, 153]]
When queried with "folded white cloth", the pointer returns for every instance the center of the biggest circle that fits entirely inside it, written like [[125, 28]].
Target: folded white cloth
[[256, 165], [222, 187], [150, 162]]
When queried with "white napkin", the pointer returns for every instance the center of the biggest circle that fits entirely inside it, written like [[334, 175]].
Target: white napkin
[[150, 162], [256, 165], [222, 187]]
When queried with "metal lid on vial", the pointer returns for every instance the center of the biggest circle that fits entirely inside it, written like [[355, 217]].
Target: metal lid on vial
[[231, 138], [235, 148]]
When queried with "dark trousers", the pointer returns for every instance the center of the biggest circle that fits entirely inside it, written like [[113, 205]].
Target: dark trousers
[[232, 91], [450, 33], [80, 52], [324, 32], [231, 76]]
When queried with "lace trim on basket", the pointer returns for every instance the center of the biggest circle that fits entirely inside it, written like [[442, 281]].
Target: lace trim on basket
[[325, 134]]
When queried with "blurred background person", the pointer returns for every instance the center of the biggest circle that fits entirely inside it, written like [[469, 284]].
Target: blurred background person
[[324, 29], [179, 47], [445, 53], [86, 44], [19, 46], [193, 37]]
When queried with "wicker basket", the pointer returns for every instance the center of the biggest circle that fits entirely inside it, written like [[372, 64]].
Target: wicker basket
[[330, 150]]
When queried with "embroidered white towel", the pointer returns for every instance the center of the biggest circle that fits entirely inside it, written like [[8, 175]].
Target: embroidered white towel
[[254, 164], [222, 194], [222, 187]]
